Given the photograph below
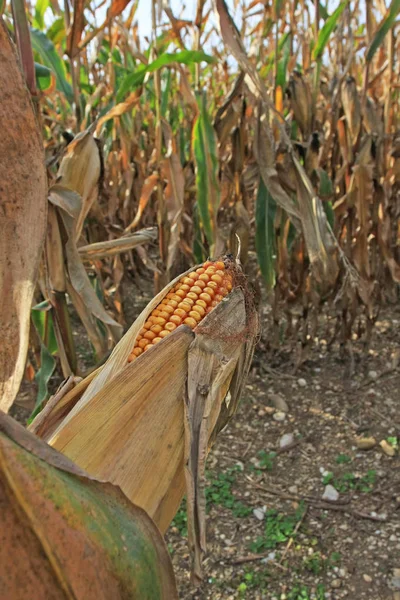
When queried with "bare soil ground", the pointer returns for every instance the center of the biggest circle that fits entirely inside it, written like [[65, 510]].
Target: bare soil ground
[[271, 534]]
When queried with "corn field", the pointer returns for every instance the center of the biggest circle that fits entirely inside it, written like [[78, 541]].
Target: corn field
[[266, 130]]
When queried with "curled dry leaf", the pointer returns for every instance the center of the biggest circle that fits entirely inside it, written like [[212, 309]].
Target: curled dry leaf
[[68, 205], [63, 534], [22, 217], [148, 188], [119, 245], [163, 410], [80, 171]]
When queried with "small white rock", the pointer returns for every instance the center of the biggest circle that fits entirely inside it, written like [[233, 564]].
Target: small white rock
[[302, 382], [373, 375], [367, 578], [330, 494], [267, 559], [286, 440], [259, 514], [279, 416]]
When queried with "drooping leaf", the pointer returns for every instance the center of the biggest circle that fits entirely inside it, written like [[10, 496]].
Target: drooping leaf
[[265, 234], [326, 31], [186, 57], [385, 26], [45, 48], [149, 186], [22, 217]]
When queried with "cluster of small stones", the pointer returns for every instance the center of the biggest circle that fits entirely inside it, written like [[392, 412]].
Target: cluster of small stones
[[189, 301]]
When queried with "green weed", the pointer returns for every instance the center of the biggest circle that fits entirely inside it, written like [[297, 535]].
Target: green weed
[[219, 493], [180, 519], [346, 482], [343, 459], [393, 441], [303, 593], [278, 529], [253, 580]]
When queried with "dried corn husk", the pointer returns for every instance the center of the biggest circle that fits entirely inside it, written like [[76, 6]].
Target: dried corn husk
[[352, 108], [160, 412], [301, 102], [80, 171]]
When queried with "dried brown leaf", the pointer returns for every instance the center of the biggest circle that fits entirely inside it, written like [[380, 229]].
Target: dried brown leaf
[[80, 171], [148, 188]]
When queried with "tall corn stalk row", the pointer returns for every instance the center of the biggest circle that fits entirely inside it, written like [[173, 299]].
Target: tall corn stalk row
[[269, 129]]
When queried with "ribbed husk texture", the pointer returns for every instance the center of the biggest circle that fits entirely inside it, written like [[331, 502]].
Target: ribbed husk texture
[[147, 426]]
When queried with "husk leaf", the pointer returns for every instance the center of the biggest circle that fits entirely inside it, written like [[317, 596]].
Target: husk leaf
[[65, 535], [160, 412]]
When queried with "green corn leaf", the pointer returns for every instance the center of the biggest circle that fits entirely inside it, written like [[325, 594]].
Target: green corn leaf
[[43, 76], [186, 57], [384, 27], [265, 234], [265, 69], [277, 8], [56, 31], [47, 366], [323, 13], [283, 63], [40, 9], [327, 30], [325, 184], [46, 50], [204, 145], [166, 93], [42, 71], [43, 322]]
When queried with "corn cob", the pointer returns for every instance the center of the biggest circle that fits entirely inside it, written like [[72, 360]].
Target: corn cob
[[188, 302]]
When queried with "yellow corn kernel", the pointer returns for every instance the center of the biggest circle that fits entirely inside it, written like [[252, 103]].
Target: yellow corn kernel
[[192, 323], [195, 315], [188, 302], [149, 335]]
